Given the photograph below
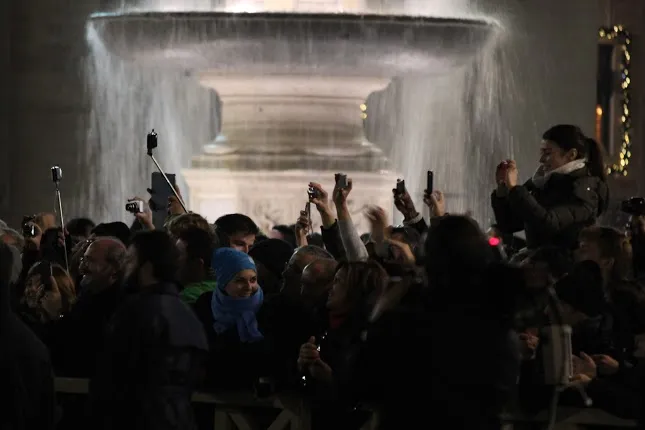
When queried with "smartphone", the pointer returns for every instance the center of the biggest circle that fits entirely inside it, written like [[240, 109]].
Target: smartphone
[[160, 193], [400, 186], [341, 181], [430, 182]]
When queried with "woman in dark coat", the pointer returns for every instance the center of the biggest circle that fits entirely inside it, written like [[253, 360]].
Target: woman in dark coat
[[567, 192]]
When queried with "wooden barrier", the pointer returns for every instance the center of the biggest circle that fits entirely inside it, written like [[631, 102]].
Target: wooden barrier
[[232, 412], [231, 409]]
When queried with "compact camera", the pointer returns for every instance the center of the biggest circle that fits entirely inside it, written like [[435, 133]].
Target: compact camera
[[313, 193], [29, 228], [135, 207]]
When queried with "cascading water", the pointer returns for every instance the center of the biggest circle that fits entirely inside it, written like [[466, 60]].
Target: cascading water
[[422, 123], [128, 101]]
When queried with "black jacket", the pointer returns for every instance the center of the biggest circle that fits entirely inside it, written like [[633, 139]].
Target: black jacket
[[232, 364], [25, 370], [553, 215], [154, 350]]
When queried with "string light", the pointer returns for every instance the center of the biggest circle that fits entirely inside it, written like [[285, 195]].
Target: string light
[[617, 32], [363, 111]]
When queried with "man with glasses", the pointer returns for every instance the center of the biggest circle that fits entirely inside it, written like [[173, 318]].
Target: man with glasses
[[79, 336]]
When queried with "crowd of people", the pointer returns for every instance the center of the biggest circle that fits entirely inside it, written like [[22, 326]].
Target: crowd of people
[[430, 322]]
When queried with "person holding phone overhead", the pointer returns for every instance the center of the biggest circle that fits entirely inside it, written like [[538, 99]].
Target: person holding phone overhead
[[567, 193]]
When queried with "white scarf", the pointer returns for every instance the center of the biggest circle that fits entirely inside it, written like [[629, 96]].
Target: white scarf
[[540, 177]]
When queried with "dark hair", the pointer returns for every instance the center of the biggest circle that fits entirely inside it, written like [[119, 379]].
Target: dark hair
[[114, 229], [612, 244], [367, 280], [157, 248], [236, 224], [288, 233], [569, 137], [80, 226], [558, 260], [176, 225], [199, 244], [455, 248]]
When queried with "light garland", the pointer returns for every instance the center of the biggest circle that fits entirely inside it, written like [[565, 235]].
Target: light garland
[[618, 33]]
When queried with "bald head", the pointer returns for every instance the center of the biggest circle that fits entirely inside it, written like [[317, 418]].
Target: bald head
[[298, 261], [317, 279], [305, 255]]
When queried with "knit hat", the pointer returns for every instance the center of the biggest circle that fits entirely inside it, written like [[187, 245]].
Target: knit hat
[[274, 254], [227, 262]]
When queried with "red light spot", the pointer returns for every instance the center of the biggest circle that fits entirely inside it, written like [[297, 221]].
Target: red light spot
[[493, 241]]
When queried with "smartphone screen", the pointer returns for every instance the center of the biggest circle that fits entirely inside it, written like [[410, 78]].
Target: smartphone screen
[[430, 182], [160, 197]]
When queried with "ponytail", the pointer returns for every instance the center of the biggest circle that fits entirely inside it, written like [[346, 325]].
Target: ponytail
[[595, 158]]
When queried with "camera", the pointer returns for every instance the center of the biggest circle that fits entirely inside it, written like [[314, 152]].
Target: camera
[[341, 181], [135, 207], [400, 186], [151, 141], [57, 174], [634, 206], [313, 193], [29, 228]]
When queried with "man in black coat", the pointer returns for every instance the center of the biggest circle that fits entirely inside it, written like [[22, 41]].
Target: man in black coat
[[25, 369], [155, 346]]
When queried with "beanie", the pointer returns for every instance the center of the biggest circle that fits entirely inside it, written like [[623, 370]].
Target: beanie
[[227, 262]]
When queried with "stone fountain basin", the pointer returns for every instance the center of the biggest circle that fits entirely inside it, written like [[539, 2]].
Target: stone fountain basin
[[293, 44]]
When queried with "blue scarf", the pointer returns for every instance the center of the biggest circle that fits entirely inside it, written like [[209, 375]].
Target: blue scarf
[[237, 312]]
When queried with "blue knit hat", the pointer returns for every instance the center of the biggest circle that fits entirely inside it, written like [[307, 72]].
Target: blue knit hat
[[227, 262]]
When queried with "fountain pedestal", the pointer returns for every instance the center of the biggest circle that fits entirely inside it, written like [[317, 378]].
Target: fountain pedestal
[[278, 134], [277, 197]]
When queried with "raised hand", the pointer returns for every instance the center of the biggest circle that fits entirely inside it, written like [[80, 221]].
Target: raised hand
[[436, 202], [145, 217]]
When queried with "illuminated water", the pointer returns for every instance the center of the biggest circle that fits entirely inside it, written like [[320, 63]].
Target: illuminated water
[[449, 123]]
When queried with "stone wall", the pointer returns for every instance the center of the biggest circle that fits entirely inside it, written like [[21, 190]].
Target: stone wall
[[48, 105]]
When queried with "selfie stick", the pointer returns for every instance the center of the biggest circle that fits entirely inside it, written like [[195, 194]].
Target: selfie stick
[[152, 144], [57, 174]]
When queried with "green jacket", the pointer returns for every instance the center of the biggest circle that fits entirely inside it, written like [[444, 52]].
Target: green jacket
[[191, 292]]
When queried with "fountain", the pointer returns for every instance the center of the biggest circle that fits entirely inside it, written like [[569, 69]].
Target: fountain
[[293, 88]]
